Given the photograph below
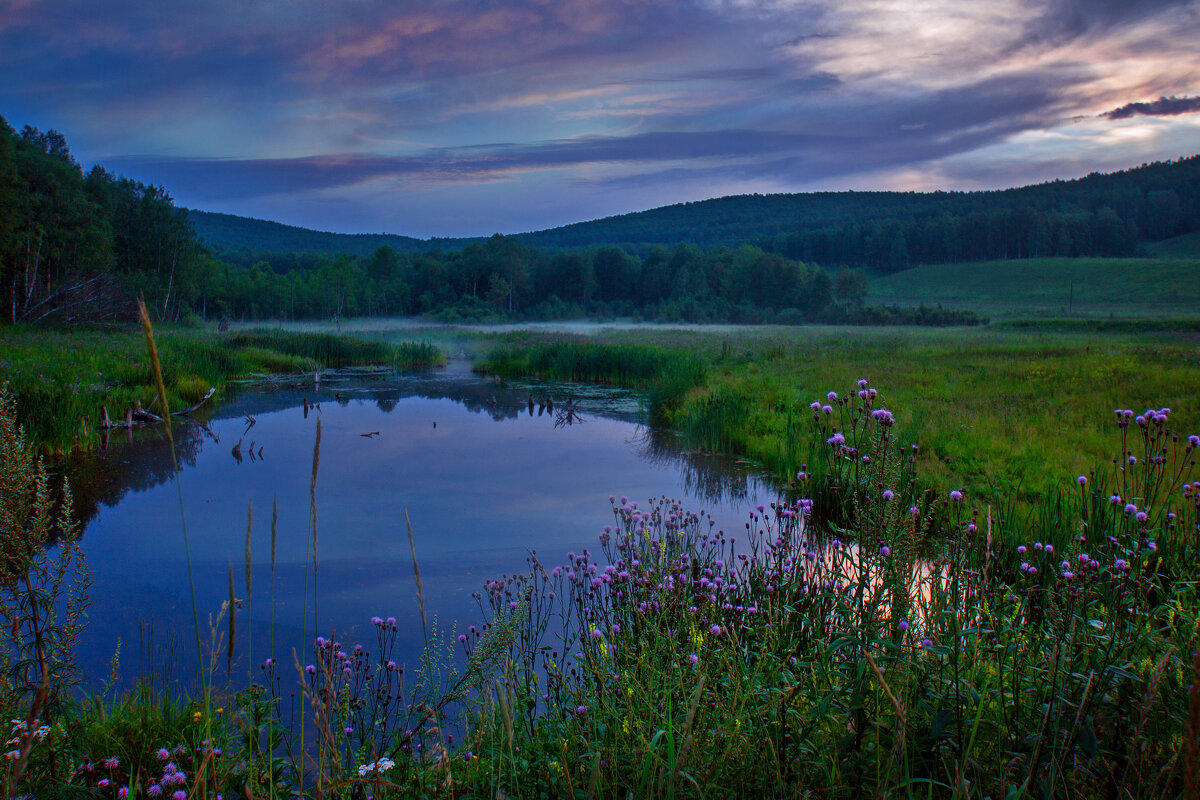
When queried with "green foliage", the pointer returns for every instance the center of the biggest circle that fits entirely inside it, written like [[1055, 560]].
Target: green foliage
[[61, 379], [747, 391], [43, 597]]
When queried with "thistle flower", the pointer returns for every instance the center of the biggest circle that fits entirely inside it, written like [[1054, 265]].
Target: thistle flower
[[956, 495], [1082, 480]]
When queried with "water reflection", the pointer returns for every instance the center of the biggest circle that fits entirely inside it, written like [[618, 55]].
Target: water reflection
[[484, 477]]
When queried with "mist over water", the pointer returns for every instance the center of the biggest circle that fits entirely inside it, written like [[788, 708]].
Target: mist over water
[[485, 480]]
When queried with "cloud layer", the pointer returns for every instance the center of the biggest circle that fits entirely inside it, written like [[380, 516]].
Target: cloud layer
[[470, 116]]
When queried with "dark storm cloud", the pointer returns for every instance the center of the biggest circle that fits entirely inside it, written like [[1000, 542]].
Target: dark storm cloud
[[1163, 107]]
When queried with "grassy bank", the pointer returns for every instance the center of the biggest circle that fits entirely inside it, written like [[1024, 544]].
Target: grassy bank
[[62, 378], [919, 654], [1014, 409]]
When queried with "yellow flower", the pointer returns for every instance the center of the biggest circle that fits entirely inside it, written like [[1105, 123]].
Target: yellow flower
[[197, 716]]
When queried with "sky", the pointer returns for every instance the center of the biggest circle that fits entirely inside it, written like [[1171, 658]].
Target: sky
[[466, 117]]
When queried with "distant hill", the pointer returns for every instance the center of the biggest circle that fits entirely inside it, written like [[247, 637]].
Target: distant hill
[[231, 232], [1186, 246], [1159, 200]]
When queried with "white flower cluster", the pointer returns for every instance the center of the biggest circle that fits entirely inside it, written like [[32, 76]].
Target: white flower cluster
[[382, 765]]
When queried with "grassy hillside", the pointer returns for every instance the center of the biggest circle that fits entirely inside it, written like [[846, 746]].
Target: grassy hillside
[[1092, 287], [1186, 246]]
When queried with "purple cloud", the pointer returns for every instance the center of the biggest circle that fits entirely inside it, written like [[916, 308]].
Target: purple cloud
[[1162, 107]]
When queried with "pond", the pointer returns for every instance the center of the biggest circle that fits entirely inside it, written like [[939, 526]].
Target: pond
[[485, 477]]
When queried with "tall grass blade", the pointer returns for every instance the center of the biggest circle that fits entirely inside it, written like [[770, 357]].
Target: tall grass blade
[[156, 367], [232, 628], [249, 527], [417, 574], [274, 530]]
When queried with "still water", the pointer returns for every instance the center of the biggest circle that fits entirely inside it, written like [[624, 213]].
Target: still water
[[484, 479]]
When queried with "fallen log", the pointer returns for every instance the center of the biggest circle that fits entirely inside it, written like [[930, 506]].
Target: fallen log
[[197, 404]]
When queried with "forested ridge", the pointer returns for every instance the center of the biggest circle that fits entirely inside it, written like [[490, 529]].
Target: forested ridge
[[1098, 215], [79, 247]]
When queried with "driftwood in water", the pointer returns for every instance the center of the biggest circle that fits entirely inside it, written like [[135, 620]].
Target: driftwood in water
[[133, 416], [140, 416], [197, 404]]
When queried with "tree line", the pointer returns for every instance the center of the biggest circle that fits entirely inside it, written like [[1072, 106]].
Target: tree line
[[76, 247]]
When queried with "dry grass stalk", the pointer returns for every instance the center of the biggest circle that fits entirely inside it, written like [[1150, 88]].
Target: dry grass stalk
[[155, 366], [312, 493], [417, 575]]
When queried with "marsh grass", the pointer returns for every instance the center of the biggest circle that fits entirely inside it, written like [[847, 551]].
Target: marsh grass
[[61, 379], [926, 641], [1010, 410]]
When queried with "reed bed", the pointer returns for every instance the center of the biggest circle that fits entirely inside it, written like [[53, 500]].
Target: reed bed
[[61, 379]]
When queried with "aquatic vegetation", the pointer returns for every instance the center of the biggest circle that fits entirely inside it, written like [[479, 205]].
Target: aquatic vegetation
[[911, 650], [871, 632], [62, 379]]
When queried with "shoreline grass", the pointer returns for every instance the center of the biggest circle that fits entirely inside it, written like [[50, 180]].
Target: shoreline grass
[[62, 378], [1011, 410], [915, 653], [933, 643]]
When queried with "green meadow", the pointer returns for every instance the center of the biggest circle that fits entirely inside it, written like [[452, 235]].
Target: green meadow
[[1156, 288], [978, 581]]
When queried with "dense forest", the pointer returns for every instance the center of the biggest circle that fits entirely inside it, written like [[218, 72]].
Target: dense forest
[[78, 246], [1099, 215]]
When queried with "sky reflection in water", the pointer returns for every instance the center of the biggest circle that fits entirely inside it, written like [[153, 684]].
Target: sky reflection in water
[[486, 482]]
